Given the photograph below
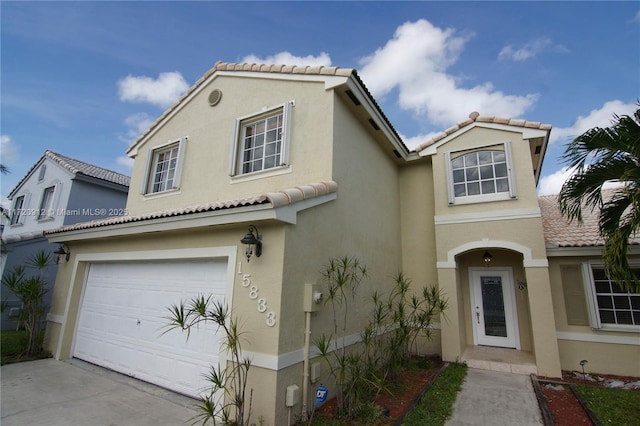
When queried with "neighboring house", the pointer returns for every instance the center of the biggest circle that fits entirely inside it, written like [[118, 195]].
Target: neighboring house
[[56, 191], [306, 155]]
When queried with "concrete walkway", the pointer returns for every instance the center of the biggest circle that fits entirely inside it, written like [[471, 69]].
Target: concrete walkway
[[70, 393], [495, 398]]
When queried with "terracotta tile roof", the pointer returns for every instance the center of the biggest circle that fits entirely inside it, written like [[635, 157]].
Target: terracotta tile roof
[[78, 167], [475, 117], [558, 232], [275, 199], [274, 69]]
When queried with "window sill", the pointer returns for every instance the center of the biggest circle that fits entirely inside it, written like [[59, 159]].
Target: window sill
[[619, 328], [275, 171], [477, 199], [167, 193]]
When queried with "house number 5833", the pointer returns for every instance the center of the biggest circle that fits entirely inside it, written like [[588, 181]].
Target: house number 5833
[[253, 294]]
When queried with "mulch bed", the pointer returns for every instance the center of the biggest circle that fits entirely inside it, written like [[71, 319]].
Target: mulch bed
[[561, 405], [405, 392]]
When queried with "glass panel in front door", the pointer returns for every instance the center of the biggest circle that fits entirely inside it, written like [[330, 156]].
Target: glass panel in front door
[[495, 323]]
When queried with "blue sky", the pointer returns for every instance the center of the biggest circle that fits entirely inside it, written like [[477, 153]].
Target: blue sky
[[84, 79]]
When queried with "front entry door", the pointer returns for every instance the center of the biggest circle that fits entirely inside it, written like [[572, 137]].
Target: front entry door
[[493, 308]]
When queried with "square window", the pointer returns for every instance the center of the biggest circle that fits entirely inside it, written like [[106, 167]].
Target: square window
[[262, 141], [47, 203], [165, 164], [18, 209], [613, 305]]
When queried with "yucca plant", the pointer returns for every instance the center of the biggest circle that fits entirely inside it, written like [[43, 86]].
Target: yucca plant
[[230, 379], [30, 290]]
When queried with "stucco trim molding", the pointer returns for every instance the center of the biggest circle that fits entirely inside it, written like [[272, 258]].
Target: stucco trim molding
[[275, 362], [528, 261], [599, 338], [451, 219]]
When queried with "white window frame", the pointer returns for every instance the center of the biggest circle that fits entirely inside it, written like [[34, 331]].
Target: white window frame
[[469, 199], [47, 203], [41, 173], [17, 214], [152, 157], [235, 167], [592, 300]]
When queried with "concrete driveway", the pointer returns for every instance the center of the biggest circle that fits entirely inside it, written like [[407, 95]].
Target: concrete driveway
[[73, 392]]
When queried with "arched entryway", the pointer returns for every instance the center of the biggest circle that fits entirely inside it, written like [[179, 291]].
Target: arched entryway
[[491, 320]]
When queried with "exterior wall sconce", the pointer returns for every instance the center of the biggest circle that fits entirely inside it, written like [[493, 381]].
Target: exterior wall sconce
[[63, 250], [522, 285], [251, 240], [487, 258]]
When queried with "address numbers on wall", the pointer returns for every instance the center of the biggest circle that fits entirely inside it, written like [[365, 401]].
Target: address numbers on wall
[[254, 294]]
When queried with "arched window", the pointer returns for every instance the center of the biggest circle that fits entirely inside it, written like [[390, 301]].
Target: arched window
[[480, 175]]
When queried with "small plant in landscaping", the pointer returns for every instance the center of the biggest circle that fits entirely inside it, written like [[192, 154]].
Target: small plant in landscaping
[[230, 379], [388, 342], [343, 276], [30, 290]]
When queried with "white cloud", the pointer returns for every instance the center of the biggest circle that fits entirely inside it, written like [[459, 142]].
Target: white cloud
[[602, 117], [137, 124], [125, 161], [9, 150], [551, 184], [286, 58], [425, 87], [413, 141], [163, 91], [530, 50]]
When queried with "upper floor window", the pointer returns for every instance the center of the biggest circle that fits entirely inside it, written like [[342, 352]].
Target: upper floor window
[[262, 141], [46, 205], [165, 167], [612, 306], [480, 175], [43, 170], [18, 208]]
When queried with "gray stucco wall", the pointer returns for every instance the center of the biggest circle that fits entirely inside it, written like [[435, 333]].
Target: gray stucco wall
[[88, 201], [17, 254]]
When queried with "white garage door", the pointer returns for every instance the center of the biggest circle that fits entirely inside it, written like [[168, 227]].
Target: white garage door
[[124, 314]]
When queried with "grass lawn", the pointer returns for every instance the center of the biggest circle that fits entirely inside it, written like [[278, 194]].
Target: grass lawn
[[11, 344], [12, 348], [436, 405], [620, 407]]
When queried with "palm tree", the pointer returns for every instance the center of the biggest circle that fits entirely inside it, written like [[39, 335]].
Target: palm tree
[[3, 169], [601, 155]]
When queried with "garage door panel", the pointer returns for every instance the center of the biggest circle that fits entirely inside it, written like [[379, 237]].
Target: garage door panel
[[123, 320]]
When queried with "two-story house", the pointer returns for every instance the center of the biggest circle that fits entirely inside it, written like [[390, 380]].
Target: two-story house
[[305, 159], [56, 191]]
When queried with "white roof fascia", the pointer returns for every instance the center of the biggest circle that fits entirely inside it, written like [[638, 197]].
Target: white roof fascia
[[554, 251], [527, 133], [374, 112]]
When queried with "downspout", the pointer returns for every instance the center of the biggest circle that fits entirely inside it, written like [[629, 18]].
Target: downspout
[[305, 376]]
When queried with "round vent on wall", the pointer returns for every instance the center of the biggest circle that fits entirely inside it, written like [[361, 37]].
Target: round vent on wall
[[214, 97]]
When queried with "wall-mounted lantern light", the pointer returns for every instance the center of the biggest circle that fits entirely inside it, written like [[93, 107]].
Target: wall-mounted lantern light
[[253, 238], [487, 258], [63, 250]]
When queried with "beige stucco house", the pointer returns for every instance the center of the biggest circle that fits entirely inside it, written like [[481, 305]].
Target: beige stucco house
[[307, 159]]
